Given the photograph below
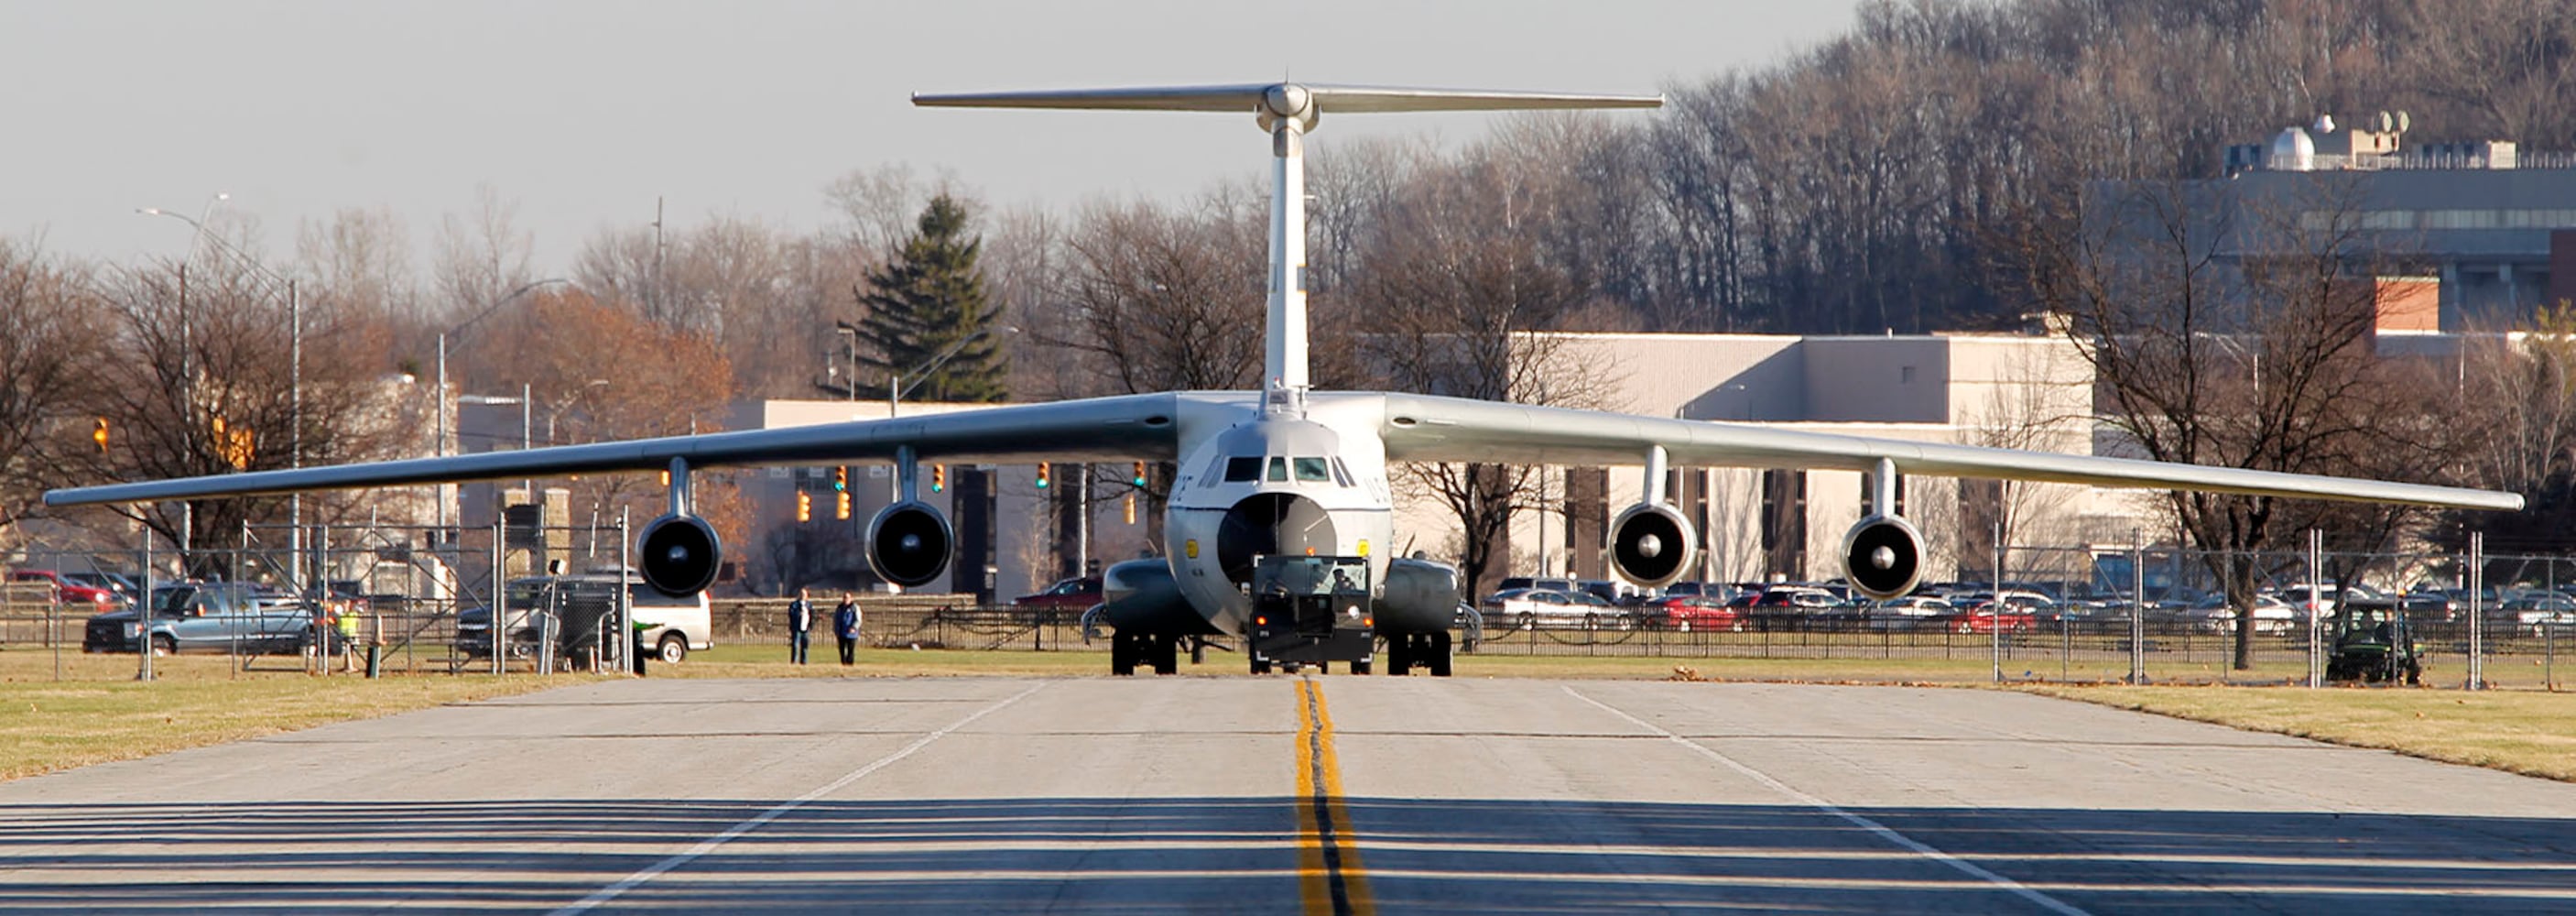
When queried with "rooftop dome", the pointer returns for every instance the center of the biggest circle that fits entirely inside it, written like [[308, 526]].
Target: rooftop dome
[[2292, 151]]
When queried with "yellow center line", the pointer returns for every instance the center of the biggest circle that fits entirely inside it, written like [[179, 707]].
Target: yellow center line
[[1328, 861]]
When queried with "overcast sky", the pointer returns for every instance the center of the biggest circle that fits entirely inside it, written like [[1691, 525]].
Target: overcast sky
[[581, 113]]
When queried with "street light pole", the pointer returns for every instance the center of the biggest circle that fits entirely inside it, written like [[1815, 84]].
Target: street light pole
[[894, 386], [445, 404]]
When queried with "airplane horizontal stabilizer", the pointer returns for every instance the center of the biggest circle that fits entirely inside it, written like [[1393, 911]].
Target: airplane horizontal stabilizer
[[1249, 97]]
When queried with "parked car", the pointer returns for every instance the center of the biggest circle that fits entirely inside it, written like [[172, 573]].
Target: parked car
[[1074, 595], [115, 582], [2542, 609], [1527, 608], [71, 591], [579, 608], [207, 617], [2272, 616], [2009, 616], [1693, 613], [1907, 612], [1552, 584], [1694, 589]]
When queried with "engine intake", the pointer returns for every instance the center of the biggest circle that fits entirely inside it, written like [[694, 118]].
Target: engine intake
[[1883, 555], [909, 543], [1650, 543], [680, 555]]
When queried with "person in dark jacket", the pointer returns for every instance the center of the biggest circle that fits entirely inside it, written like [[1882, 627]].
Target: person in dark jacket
[[845, 624], [800, 622]]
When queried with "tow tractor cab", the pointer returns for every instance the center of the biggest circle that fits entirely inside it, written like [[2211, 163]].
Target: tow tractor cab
[[1310, 610]]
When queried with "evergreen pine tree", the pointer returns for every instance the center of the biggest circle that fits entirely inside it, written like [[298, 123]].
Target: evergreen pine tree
[[926, 299]]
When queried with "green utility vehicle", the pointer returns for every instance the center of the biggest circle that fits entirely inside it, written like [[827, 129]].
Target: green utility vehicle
[[2372, 644]]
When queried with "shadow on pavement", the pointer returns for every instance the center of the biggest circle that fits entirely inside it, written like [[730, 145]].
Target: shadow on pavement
[[1237, 854]]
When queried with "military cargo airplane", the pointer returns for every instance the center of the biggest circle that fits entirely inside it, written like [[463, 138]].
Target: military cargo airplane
[[1280, 518]]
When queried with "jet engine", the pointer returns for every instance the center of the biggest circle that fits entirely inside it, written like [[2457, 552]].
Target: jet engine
[[1884, 556], [1650, 543], [908, 543], [680, 553]]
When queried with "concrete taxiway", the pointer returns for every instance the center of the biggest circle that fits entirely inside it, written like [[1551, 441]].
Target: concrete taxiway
[[1282, 795]]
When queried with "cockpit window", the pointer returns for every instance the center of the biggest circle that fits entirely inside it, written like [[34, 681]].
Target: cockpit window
[[1313, 470], [1278, 469], [1242, 469], [1215, 470], [1341, 473]]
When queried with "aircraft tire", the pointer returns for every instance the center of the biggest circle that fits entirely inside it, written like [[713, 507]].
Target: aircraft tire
[[1399, 655], [1122, 654], [1166, 654], [1439, 654]]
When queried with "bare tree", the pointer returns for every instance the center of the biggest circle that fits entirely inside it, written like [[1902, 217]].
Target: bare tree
[[2225, 329], [52, 351], [1459, 304], [1160, 300], [482, 255]]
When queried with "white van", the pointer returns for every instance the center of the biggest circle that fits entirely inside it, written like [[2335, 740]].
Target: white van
[[582, 607]]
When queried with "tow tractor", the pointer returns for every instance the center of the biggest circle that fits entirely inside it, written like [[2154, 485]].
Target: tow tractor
[[1309, 610]]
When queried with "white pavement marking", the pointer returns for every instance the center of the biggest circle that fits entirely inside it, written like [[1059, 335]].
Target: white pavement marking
[[711, 844], [1883, 831]]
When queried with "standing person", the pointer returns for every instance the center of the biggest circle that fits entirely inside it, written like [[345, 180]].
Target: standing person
[[845, 624], [345, 616], [800, 620]]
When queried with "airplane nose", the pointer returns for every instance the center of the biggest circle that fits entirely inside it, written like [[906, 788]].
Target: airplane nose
[[1268, 524]]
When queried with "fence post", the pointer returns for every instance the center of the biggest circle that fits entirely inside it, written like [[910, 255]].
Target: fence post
[[2137, 608], [1997, 605], [2477, 610], [2316, 599]]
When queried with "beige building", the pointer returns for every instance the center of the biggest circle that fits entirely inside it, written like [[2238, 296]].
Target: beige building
[[1787, 524]]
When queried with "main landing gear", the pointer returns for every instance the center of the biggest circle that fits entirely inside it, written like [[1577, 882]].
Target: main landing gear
[[1405, 651], [1160, 651]]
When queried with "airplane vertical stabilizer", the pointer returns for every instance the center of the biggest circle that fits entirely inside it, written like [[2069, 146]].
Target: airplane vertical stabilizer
[[1287, 111]]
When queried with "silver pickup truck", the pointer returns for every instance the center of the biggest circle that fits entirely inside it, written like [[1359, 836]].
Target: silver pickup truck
[[207, 617]]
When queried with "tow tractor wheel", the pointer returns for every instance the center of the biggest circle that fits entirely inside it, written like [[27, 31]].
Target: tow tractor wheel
[[1260, 665]]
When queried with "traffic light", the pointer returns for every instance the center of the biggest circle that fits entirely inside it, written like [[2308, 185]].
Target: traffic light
[[1138, 478], [841, 505], [99, 435], [841, 482], [938, 478], [1042, 475], [804, 506]]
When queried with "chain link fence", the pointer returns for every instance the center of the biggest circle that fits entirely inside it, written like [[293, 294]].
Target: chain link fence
[[2155, 615]]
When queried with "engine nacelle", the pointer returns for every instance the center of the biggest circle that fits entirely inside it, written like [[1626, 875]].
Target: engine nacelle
[[909, 543], [1420, 597], [1650, 544], [1883, 555], [680, 554]]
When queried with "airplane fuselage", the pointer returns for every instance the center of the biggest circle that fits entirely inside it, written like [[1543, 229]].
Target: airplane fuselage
[[1284, 478]]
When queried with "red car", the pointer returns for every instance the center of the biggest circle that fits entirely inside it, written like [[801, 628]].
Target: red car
[[1981, 619], [71, 592], [1697, 613], [1076, 595]]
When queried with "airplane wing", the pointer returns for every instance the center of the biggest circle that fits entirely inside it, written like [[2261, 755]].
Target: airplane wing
[[1430, 428], [1128, 428]]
